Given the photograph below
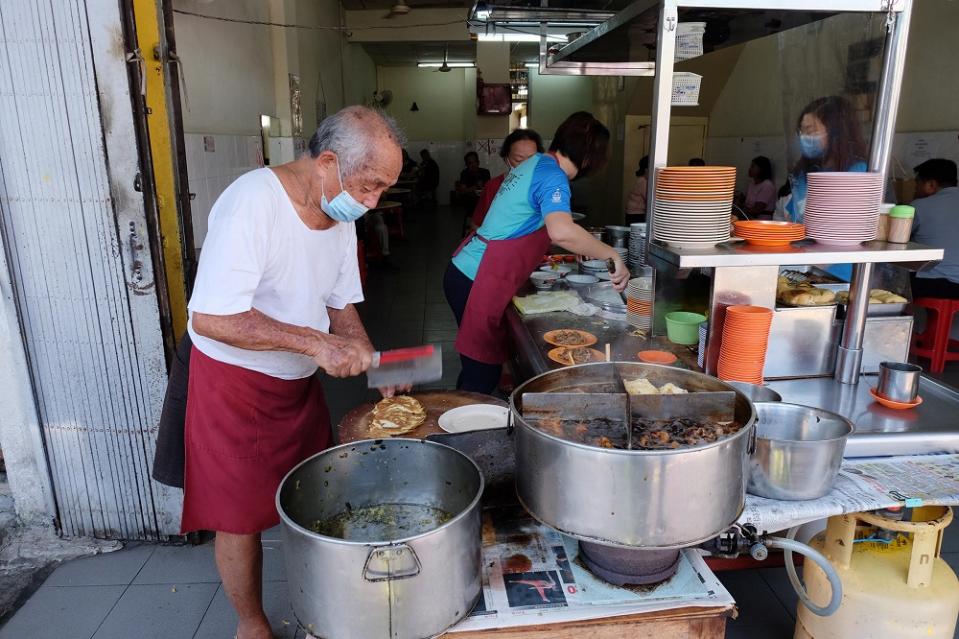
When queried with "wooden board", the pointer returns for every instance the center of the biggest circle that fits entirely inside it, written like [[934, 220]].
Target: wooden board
[[683, 623], [356, 424]]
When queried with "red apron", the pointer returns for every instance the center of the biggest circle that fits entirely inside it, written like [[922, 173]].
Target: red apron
[[504, 268], [244, 432]]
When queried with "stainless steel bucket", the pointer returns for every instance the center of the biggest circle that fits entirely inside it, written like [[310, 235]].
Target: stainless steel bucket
[[630, 498], [798, 451], [405, 588]]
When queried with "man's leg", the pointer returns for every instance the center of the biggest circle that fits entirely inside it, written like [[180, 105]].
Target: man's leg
[[239, 559]]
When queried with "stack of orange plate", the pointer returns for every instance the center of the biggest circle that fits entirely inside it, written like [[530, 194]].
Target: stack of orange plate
[[693, 204], [745, 338], [769, 233]]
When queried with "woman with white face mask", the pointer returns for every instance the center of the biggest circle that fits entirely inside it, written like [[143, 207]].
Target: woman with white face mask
[[519, 146], [830, 139]]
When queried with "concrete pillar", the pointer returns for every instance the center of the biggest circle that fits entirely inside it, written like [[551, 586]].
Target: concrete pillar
[[285, 62], [492, 59]]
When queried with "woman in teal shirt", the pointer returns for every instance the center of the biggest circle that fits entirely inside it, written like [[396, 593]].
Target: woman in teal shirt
[[530, 212], [830, 139]]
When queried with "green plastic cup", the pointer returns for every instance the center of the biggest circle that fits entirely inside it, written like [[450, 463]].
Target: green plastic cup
[[682, 327]]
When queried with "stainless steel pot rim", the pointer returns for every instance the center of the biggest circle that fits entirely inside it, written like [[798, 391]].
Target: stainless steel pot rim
[[742, 432], [610, 542], [616, 451], [851, 428], [373, 544]]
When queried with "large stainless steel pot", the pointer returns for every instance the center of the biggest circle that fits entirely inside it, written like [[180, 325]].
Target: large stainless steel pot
[[405, 588], [647, 499]]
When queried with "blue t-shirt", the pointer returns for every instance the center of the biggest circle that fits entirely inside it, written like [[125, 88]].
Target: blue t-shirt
[[531, 191]]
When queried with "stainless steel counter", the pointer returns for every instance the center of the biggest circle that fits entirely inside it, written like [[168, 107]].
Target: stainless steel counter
[[530, 349], [804, 252], [931, 427]]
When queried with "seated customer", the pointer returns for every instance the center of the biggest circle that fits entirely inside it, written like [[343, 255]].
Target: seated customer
[[409, 165], [429, 177], [636, 202], [760, 197], [472, 179], [474, 176], [937, 224], [519, 146]]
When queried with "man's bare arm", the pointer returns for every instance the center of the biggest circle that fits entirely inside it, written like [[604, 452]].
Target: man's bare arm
[[339, 356], [346, 322], [256, 331]]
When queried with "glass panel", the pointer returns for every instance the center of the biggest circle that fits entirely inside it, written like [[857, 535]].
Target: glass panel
[[635, 39]]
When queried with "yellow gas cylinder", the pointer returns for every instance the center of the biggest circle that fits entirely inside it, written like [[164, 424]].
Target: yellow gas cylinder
[[893, 590]]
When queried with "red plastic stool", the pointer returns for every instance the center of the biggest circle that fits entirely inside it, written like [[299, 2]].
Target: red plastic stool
[[934, 343]]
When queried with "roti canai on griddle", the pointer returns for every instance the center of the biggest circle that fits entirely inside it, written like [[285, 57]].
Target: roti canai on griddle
[[397, 415]]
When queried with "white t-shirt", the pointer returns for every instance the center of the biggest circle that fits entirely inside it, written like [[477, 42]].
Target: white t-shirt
[[259, 254]]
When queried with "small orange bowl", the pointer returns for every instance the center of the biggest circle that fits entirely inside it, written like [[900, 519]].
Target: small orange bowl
[[888, 403], [656, 357]]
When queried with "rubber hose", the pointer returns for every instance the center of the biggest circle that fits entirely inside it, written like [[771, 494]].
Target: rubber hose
[[788, 545]]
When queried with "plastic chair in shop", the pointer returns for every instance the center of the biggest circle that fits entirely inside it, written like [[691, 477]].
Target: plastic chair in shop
[[934, 343]]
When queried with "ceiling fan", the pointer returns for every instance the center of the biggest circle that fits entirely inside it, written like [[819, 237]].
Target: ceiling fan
[[445, 67]]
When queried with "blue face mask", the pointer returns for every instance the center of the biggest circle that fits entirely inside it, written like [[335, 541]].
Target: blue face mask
[[812, 146], [343, 207]]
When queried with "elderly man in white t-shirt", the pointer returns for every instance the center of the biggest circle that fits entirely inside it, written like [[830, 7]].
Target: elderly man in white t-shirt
[[273, 301]]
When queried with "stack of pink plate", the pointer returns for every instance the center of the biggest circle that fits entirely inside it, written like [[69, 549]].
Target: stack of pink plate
[[842, 208]]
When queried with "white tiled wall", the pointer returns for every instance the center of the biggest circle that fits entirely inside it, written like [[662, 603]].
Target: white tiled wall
[[210, 172]]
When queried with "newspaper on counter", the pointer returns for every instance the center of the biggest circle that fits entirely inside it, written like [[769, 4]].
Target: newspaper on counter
[[863, 485], [531, 575]]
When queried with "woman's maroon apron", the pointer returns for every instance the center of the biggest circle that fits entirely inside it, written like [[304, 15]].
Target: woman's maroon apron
[[504, 268], [244, 432]]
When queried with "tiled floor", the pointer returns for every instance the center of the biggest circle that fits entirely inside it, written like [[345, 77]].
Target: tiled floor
[[173, 592]]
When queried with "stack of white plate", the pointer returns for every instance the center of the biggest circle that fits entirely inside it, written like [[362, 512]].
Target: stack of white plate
[[623, 252], [693, 205], [639, 302], [842, 209], [637, 245]]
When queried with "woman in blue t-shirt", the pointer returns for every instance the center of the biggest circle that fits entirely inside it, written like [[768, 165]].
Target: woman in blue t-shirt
[[530, 212], [830, 139]]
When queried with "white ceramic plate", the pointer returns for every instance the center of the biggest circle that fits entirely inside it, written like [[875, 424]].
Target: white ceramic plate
[[474, 417]]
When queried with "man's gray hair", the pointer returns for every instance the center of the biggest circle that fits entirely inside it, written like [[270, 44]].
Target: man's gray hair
[[353, 134]]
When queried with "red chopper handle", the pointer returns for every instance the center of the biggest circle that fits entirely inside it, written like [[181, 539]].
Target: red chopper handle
[[406, 354]]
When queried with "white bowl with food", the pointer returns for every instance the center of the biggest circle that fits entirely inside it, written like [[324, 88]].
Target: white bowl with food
[[543, 280], [559, 269]]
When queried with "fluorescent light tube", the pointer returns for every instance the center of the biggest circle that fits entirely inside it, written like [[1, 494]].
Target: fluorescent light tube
[[452, 65]]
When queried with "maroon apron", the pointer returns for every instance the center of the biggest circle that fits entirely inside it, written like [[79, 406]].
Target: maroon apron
[[504, 268], [244, 432]]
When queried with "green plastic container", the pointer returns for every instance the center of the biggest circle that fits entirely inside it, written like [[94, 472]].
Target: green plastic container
[[682, 327]]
